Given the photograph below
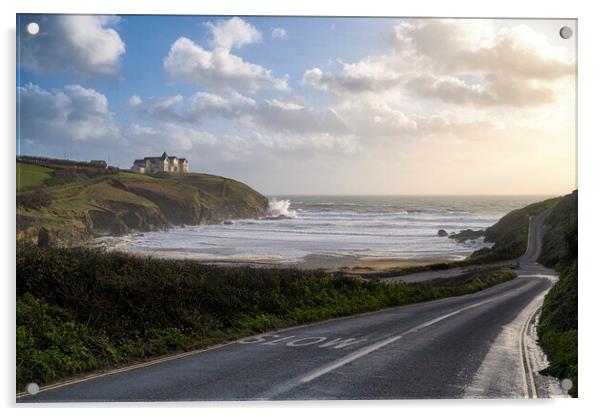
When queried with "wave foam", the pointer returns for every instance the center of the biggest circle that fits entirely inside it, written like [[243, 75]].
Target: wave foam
[[280, 208]]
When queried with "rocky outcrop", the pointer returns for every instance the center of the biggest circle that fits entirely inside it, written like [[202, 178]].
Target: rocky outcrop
[[442, 233], [466, 235]]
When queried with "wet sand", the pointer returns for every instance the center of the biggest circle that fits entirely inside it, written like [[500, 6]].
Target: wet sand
[[350, 264]]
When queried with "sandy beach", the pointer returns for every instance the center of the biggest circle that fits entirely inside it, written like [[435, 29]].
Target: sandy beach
[[351, 264]]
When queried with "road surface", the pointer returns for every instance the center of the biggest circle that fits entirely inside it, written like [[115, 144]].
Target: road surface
[[468, 346]]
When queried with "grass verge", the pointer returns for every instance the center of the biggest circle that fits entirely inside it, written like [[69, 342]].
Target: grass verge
[[557, 328]]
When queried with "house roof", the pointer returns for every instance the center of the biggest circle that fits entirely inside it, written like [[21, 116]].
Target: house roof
[[163, 157]]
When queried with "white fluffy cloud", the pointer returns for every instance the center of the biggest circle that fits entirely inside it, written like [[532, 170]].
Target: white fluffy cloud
[[430, 57], [282, 116], [203, 104], [65, 117], [217, 69], [278, 32], [371, 75], [233, 33], [272, 114], [195, 109], [77, 45], [167, 136]]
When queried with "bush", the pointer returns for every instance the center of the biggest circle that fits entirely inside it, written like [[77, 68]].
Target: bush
[[34, 200], [557, 328]]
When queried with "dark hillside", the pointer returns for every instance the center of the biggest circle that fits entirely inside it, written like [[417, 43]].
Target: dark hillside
[[560, 239], [558, 324]]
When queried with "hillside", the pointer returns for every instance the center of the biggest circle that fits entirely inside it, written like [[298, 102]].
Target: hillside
[[557, 328], [510, 234], [560, 239], [79, 202]]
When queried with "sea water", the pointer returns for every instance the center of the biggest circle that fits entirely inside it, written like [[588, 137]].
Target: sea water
[[400, 227]]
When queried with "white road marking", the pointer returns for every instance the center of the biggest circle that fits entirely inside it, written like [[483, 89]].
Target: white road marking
[[274, 342], [312, 375], [302, 342], [296, 341], [530, 390], [338, 343]]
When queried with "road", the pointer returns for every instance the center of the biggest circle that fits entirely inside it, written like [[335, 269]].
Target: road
[[451, 348]]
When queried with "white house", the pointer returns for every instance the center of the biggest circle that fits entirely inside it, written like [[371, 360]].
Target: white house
[[163, 163]]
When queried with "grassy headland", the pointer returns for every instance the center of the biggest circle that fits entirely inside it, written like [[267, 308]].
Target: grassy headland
[[79, 310], [78, 202]]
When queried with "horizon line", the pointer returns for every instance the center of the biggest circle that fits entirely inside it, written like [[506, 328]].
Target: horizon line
[[454, 195]]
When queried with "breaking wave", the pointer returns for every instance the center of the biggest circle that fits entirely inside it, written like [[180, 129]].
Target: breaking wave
[[280, 208]]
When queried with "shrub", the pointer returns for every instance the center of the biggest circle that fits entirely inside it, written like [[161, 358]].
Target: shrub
[[34, 200]]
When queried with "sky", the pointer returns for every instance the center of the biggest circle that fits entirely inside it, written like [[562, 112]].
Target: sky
[[308, 105]]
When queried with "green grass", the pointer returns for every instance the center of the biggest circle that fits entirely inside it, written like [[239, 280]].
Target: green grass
[[29, 176], [81, 310], [557, 328]]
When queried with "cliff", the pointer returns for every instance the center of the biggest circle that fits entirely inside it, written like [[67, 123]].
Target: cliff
[[77, 203]]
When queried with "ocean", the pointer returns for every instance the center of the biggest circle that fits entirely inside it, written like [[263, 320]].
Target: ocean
[[396, 227]]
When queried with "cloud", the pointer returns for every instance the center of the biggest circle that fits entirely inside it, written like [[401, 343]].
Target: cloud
[[233, 33], [429, 58], [86, 47], [274, 115], [134, 101], [195, 109], [203, 104], [65, 117], [369, 75], [497, 90], [167, 136], [278, 116], [278, 32], [217, 69]]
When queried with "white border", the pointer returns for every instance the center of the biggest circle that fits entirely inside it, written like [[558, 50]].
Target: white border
[[590, 178]]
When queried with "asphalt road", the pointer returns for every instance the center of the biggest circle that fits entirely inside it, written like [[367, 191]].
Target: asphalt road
[[428, 350]]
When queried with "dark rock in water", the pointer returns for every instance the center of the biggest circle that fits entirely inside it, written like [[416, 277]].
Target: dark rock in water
[[227, 223], [466, 235], [442, 233]]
